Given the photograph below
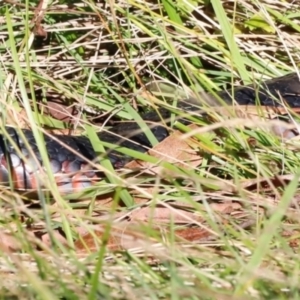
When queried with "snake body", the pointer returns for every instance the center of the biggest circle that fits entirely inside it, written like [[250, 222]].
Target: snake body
[[21, 162]]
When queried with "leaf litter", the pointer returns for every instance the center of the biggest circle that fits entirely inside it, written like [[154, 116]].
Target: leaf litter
[[180, 152]]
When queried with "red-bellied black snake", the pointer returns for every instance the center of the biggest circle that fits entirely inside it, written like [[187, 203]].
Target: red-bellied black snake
[[22, 172]]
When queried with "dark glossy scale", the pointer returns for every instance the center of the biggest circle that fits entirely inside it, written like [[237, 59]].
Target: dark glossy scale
[[73, 173], [65, 163], [271, 92]]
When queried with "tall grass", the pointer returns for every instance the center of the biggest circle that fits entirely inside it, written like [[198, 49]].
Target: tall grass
[[100, 57]]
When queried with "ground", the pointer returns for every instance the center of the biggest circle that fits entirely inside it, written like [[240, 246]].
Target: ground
[[219, 218]]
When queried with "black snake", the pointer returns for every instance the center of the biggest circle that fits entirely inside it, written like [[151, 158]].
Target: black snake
[[22, 171]]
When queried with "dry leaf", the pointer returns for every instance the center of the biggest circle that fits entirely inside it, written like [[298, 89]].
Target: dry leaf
[[123, 235], [194, 234], [9, 243], [163, 215], [173, 149], [226, 207], [60, 112]]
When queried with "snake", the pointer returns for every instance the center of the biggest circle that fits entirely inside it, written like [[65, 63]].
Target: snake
[[21, 163]]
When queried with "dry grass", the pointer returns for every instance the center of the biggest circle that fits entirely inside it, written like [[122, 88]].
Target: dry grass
[[98, 58]]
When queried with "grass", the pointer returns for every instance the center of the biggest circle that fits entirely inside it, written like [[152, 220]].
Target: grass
[[243, 240]]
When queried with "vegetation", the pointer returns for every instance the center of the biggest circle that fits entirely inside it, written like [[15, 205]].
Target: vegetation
[[226, 228]]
